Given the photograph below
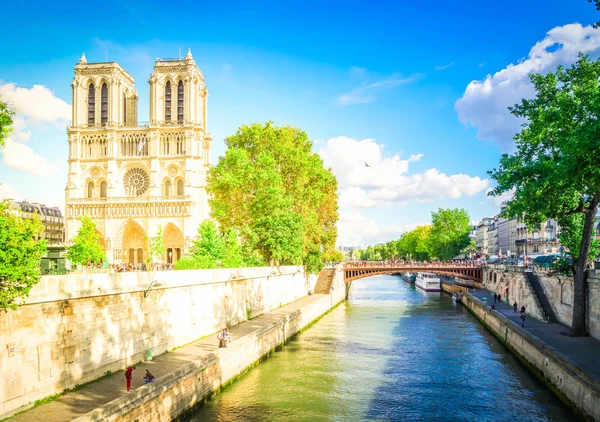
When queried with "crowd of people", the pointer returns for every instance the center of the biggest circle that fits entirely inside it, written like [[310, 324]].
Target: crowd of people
[[429, 264], [120, 268]]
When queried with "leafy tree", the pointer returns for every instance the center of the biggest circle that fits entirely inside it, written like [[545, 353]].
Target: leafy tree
[[87, 244], [470, 249], [157, 245], [334, 256], [273, 190], [20, 255], [6, 121], [554, 171], [234, 255], [571, 233], [416, 244], [449, 232], [208, 248]]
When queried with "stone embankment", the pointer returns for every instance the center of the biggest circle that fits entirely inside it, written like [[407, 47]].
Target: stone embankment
[[73, 329], [568, 366]]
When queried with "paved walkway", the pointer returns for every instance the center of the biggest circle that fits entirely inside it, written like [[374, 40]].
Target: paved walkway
[[583, 351], [78, 403]]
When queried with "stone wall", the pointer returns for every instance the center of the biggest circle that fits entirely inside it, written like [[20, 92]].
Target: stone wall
[[74, 328], [579, 389], [185, 388], [558, 289]]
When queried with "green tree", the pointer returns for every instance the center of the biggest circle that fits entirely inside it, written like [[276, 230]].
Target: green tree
[[449, 232], [571, 233], [470, 249], [597, 4], [234, 255], [554, 171], [20, 255], [87, 245], [273, 190], [208, 248], [157, 246], [6, 121], [416, 244]]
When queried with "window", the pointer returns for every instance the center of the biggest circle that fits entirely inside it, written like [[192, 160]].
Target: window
[[104, 104], [103, 190], [124, 109], [180, 102], [91, 105], [168, 188], [180, 187], [90, 190], [168, 102]]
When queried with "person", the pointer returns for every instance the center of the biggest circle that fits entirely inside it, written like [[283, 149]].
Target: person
[[223, 337], [148, 377], [495, 297], [523, 319], [515, 306], [128, 375], [499, 297], [493, 307], [523, 309]]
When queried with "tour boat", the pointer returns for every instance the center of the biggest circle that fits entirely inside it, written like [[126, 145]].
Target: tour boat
[[428, 281], [408, 277]]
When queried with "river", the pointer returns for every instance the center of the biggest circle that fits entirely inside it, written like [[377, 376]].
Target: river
[[394, 353]]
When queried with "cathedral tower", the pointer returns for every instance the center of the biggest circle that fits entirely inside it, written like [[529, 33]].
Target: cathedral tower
[[131, 178]]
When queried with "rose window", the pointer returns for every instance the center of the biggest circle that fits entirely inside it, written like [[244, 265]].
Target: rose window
[[136, 182]]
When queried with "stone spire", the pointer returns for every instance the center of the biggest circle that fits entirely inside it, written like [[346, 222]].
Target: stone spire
[[82, 60], [188, 56]]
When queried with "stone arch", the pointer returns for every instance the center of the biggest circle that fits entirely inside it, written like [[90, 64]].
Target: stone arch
[[179, 187], [167, 187], [173, 241], [90, 189], [131, 243], [102, 188]]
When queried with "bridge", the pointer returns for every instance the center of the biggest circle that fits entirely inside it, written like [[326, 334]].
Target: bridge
[[466, 272]]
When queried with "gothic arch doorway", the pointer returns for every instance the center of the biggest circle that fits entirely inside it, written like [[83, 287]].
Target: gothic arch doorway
[[173, 241], [133, 243]]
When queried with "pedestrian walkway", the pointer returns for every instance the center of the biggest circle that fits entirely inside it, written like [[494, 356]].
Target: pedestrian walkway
[[582, 351], [88, 398]]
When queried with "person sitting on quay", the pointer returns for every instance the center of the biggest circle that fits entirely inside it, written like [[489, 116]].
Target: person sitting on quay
[[223, 338], [148, 377]]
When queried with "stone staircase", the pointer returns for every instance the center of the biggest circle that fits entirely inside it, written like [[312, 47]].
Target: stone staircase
[[542, 299], [324, 281]]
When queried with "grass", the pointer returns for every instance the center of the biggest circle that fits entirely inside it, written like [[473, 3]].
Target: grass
[[51, 398]]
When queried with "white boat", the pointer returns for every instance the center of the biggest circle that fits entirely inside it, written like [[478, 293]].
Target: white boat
[[428, 281]]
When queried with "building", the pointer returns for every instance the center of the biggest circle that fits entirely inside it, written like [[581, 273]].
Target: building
[[491, 238], [131, 178], [482, 238], [507, 236], [51, 218], [538, 240]]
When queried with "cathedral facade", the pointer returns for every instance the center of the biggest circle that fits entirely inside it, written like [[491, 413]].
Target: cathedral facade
[[129, 177]]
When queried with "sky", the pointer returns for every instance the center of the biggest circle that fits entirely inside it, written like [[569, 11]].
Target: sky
[[417, 89]]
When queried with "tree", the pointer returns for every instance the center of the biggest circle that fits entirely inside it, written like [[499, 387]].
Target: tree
[[20, 255], [273, 190], [6, 121], [416, 244], [470, 249], [571, 232], [449, 232], [208, 248], [157, 246], [554, 171], [87, 245]]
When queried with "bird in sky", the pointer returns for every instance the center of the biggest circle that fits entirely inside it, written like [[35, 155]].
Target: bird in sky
[[366, 165]]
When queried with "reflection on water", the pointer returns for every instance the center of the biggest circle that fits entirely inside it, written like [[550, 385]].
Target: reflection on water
[[392, 352]]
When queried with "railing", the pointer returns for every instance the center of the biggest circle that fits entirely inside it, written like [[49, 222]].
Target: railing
[[137, 125], [114, 199]]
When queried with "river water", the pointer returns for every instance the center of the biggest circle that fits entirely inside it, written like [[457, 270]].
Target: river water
[[393, 353]]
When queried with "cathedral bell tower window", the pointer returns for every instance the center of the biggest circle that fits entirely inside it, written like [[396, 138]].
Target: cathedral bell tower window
[[104, 104], [91, 105], [168, 102], [180, 102]]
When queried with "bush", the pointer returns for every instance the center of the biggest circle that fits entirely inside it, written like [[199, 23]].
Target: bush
[[563, 266]]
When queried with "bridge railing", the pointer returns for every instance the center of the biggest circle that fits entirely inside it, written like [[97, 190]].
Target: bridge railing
[[412, 265]]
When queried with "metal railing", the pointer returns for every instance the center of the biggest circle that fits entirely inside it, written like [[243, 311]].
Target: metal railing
[[130, 199]]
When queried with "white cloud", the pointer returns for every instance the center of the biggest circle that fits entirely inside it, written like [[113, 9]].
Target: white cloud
[[372, 85], [385, 181], [19, 156], [35, 107], [444, 66], [356, 229], [498, 201], [484, 103], [8, 192], [37, 104]]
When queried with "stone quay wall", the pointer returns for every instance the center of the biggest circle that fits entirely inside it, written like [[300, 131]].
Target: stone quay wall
[[184, 389], [570, 382], [74, 328], [558, 290]]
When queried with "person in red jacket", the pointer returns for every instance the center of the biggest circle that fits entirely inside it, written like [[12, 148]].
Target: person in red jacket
[[128, 375]]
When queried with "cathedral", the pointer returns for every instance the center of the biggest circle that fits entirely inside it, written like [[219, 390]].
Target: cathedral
[[132, 177]]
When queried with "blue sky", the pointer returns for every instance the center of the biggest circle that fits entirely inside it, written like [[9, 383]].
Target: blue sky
[[377, 80]]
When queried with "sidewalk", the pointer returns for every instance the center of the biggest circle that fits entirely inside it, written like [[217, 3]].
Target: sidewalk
[[78, 403], [583, 351]]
